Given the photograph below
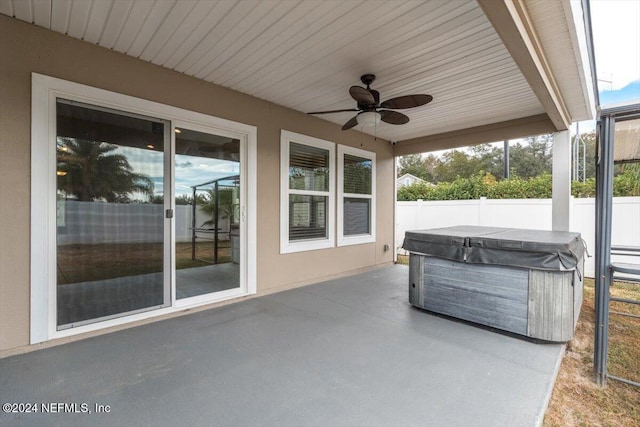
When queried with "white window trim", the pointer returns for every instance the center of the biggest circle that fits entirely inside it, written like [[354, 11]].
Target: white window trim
[[45, 90], [287, 246], [360, 238]]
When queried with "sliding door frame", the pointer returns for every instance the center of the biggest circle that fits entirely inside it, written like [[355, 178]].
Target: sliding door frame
[[45, 91], [229, 293]]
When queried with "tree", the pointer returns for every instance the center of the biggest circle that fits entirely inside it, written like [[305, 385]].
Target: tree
[[184, 200], [414, 165], [533, 158], [527, 159], [91, 171], [430, 162], [489, 160], [456, 164], [225, 205], [479, 159]]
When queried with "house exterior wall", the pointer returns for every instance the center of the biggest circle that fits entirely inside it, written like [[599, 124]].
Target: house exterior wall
[[26, 48]]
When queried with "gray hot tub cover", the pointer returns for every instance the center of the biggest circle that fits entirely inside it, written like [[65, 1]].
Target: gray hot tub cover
[[543, 250]]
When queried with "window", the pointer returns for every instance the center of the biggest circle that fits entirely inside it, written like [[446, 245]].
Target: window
[[307, 193], [356, 196]]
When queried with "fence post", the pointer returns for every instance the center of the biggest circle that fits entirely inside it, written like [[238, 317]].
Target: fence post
[[572, 201]]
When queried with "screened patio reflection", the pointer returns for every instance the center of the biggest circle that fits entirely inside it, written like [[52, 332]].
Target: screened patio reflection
[[207, 214]]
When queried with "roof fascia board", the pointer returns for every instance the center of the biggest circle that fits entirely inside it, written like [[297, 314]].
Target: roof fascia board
[[586, 11], [511, 129], [511, 22], [575, 15]]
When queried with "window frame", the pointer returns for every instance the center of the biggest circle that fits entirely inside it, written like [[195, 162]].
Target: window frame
[[359, 238], [289, 246]]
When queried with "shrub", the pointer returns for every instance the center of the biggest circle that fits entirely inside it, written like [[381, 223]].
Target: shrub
[[584, 189], [539, 187], [627, 183]]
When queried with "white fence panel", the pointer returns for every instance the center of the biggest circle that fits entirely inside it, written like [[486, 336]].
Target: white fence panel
[[510, 213], [522, 213], [96, 223]]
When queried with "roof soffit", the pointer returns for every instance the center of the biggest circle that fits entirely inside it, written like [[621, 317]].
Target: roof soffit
[[511, 21]]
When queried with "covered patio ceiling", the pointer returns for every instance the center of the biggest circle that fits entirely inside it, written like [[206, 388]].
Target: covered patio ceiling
[[496, 69]]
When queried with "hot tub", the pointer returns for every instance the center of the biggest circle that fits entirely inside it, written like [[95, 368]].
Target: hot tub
[[528, 282]]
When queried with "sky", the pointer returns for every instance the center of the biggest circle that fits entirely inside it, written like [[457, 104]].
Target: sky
[[190, 170], [616, 39], [616, 43]]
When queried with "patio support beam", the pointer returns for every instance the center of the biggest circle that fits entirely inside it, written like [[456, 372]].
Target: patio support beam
[[561, 182], [511, 21], [510, 129]]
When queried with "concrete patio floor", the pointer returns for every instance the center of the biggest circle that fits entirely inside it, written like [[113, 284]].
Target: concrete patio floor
[[345, 352]]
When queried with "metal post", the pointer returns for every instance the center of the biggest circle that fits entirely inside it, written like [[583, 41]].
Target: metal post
[[506, 159], [604, 201], [193, 225], [579, 156], [582, 161], [574, 154], [215, 224]]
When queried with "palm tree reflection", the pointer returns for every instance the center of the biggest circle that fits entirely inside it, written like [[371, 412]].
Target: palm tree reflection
[[93, 171]]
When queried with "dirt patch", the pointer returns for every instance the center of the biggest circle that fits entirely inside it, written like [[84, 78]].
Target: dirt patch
[[403, 259], [577, 400]]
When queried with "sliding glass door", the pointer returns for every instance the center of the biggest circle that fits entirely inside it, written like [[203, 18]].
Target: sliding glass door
[[138, 209], [207, 210], [111, 231], [121, 179]]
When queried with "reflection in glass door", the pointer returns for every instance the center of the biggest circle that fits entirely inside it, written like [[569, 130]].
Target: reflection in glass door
[[111, 230], [207, 213]]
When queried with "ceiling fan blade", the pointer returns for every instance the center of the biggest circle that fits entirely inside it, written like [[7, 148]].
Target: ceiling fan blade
[[393, 117], [407, 101], [361, 95], [376, 95], [334, 111], [351, 123]]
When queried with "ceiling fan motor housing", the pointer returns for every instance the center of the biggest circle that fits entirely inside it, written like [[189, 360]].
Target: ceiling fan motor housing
[[367, 79]]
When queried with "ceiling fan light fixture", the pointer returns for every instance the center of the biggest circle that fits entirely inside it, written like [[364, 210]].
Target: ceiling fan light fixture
[[369, 118]]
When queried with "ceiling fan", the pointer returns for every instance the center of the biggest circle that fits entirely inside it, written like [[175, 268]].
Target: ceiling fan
[[371, 111]]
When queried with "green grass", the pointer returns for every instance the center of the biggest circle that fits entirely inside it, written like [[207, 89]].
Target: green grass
[[80, 263]]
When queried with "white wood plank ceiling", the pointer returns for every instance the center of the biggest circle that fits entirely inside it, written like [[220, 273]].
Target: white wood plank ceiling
[[306, 54], [555, 34]]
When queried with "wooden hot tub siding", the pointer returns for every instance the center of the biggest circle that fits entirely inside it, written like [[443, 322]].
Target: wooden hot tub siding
[[539, 304]]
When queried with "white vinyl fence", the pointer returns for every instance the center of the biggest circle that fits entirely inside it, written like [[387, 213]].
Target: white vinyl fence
[[95, 223], [521, 213]]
